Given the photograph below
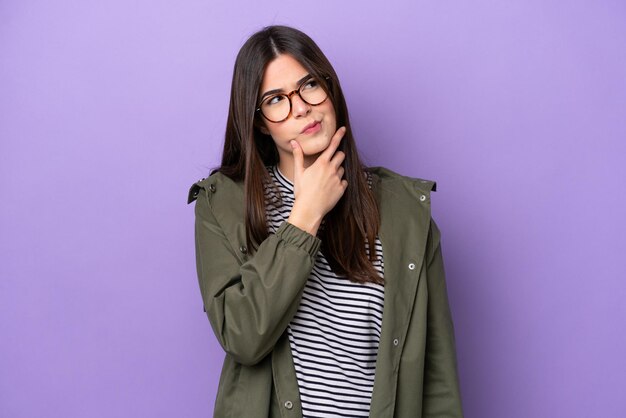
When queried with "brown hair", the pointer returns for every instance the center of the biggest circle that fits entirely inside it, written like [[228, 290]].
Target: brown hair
[[355, 218]]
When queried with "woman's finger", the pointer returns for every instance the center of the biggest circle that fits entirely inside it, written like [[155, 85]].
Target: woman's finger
[[298, 159], [334, 143], [338, 158]]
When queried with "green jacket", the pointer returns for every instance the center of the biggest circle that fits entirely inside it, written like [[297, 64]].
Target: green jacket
[[251, 298]]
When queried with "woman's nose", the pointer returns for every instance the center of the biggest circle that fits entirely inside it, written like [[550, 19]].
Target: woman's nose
[[299, 107]]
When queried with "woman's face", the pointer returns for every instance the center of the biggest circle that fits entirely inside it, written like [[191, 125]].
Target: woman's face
[[284, 74]]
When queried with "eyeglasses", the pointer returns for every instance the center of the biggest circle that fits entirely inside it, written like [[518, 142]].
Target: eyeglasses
[[277, 107]]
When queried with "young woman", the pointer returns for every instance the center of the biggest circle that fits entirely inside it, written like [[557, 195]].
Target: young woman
[[322, 278]]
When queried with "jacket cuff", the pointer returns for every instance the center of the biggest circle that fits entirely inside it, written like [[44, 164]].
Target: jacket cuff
[[298, 237]]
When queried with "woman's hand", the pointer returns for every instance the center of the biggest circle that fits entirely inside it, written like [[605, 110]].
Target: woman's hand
[[318, 188]]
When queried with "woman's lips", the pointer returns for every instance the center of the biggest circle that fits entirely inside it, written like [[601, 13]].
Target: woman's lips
[[312, 128]]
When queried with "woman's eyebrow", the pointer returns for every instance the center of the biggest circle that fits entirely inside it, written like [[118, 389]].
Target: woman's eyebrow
[[267, 93]]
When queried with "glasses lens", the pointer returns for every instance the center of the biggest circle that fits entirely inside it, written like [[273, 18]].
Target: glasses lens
[[312, 92], [276, 108]]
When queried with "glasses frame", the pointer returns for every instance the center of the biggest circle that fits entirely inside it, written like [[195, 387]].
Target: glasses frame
[[289, 95]]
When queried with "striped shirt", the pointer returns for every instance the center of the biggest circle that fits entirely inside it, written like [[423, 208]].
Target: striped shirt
[[335, 333]]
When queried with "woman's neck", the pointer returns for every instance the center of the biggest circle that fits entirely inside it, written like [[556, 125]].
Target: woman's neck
[[285, 165]]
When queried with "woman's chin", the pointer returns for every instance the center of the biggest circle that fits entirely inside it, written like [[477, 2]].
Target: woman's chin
[[314, 146]]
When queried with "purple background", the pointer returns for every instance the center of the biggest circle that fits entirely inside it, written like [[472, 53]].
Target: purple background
[[110, 110]]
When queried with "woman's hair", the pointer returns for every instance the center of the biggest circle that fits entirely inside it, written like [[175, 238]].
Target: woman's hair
[[247, 151]]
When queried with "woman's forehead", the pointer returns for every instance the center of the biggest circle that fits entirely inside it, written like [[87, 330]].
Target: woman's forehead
[[284, 72]]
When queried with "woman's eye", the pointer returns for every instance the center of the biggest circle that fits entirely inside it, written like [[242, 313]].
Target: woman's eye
[[274, 100], [311, 84]]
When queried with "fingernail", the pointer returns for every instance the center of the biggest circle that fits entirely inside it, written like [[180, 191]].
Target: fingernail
[[293, 143]]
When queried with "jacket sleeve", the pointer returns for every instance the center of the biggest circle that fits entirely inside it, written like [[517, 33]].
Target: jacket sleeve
[[250, 304], [442, 396]]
